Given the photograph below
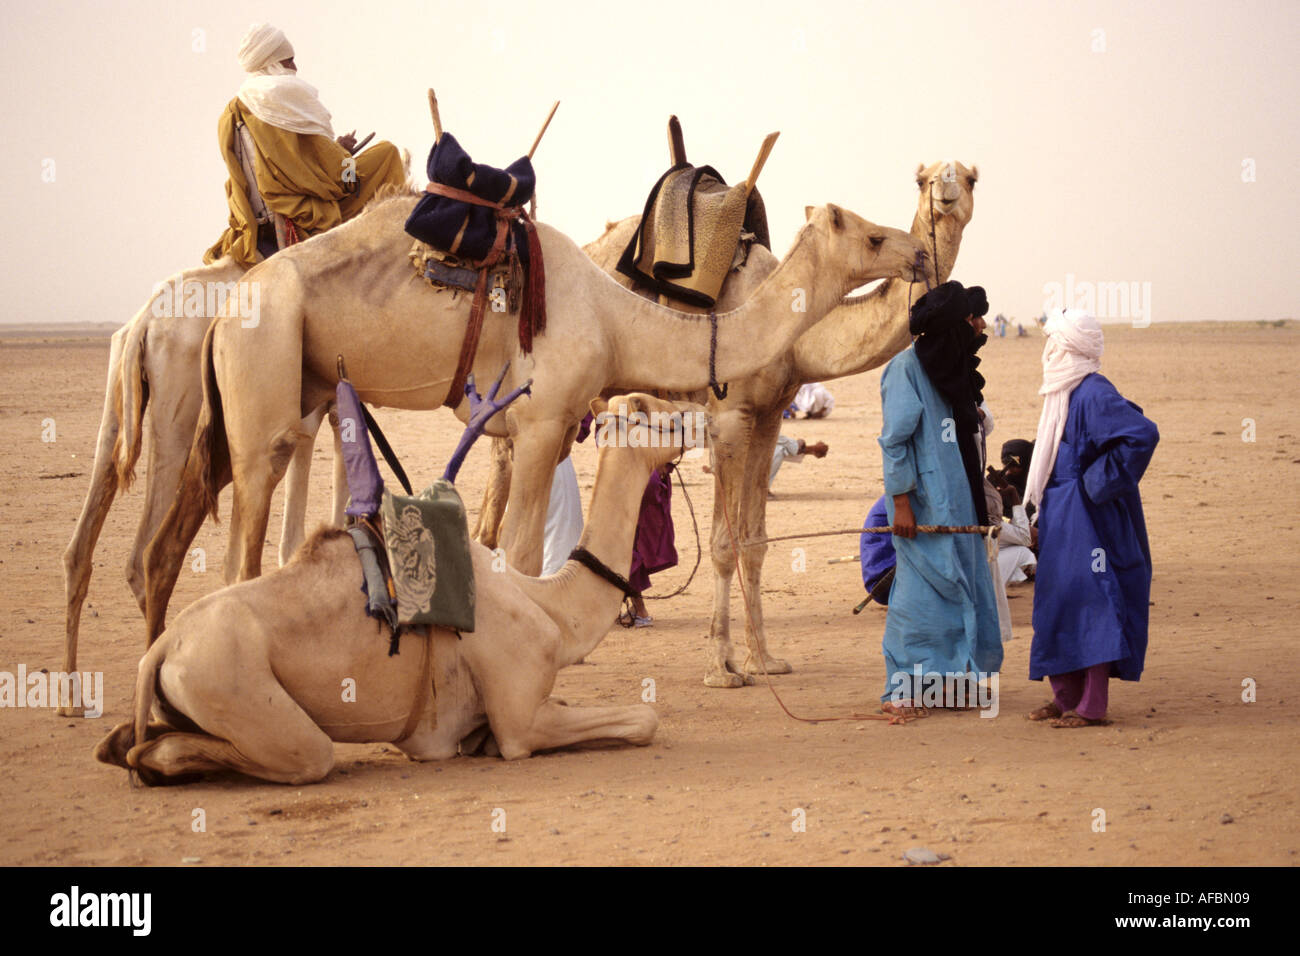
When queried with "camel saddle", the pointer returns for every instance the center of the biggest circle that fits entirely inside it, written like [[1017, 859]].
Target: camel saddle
[[694, 230], [414, 549], [475, 213]]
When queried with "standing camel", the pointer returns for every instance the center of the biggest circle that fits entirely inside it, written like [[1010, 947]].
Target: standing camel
[[248, 678], [153, 365], [862, 333], [316, 300]]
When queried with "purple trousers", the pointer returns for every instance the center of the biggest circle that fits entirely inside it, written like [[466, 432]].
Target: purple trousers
[[1086, 692]]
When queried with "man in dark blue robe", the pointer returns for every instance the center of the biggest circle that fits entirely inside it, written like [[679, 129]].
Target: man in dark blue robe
[[1094, 562]]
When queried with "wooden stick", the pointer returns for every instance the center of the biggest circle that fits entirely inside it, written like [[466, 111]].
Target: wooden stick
[[885, 529], [763, 152], [543, 132], [362, 145], [437, 120], [844, 560], [676, 143]]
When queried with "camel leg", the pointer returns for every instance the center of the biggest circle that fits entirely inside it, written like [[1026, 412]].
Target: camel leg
[[256, 727], [77, 559], [753, 527], [176, 754], [293, 531], [488, 528], [252, 503], [174, 404], [165, 554], [555, 725], [734, 428], [537, 452]]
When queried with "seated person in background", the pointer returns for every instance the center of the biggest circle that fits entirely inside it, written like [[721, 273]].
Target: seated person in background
[[876, 552], [1017, 539], [792, 449], [813, 399], [301, 172]]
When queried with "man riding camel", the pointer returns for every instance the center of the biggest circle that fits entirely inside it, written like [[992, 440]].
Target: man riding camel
[[275, 137]]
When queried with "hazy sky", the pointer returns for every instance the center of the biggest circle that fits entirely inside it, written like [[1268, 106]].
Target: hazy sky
[[1112, 138]]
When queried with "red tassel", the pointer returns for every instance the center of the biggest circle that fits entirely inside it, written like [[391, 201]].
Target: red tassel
[[532, 313]]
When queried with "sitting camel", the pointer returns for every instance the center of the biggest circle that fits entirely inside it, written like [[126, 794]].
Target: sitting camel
[[259, 381], [249, 678]]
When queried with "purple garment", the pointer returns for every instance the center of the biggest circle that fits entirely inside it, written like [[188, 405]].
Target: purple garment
[[1086, 692], [365, 486], [653, 549]]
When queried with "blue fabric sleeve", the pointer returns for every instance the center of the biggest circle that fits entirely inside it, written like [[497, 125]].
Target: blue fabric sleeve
[[900, 407], [875, 551], [1125, 440]]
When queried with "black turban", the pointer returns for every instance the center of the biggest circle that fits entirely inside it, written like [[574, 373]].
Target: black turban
[[946, 346], [1018, 452], [977, 302]]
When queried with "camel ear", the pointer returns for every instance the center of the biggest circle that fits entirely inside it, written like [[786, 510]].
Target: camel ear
[[920, 171], [974, 174], [837, 216], [807, 212], [598, 407]]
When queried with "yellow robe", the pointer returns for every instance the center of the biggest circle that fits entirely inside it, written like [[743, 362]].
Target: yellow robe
[[302, 177]]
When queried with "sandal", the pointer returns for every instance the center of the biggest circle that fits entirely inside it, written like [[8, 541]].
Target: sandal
[[1049, 711], [902, 709], [1073, 719]]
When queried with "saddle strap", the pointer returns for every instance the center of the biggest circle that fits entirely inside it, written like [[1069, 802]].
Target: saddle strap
[[422, 692], [504, 215], [468, 348]]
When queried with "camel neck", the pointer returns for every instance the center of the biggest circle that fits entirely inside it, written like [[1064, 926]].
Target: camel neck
[[865, 331]]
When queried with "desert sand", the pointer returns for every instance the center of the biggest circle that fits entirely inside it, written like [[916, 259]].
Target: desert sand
[[1188, 774]]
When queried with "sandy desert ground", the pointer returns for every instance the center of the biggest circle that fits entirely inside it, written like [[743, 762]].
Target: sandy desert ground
[[1188, 774]]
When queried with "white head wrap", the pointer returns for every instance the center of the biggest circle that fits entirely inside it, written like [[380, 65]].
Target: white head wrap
[[263, 46], [273, 93], [1072, 352]]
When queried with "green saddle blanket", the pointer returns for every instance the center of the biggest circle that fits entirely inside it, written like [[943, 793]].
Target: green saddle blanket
[[427, 539]]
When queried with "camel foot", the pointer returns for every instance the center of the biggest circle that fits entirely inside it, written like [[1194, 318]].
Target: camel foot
[[731, 676], [774, 666], [71, 710], [480, 742]]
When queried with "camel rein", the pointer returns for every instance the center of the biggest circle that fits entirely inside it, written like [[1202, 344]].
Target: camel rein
[[896, 718]]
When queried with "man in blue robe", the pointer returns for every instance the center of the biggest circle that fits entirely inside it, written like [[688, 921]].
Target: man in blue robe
[[943, 617], [1094, 563]]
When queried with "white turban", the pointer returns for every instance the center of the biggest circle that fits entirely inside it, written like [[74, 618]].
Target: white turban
[[273, 93], [263, 46], [1072, 352]]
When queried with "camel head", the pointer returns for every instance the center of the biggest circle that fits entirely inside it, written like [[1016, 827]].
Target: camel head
[[652, 429], [872, 252], [951, 187]]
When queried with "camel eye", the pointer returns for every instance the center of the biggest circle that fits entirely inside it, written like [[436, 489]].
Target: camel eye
[[875, 241], [970, 181], [920, 184]]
